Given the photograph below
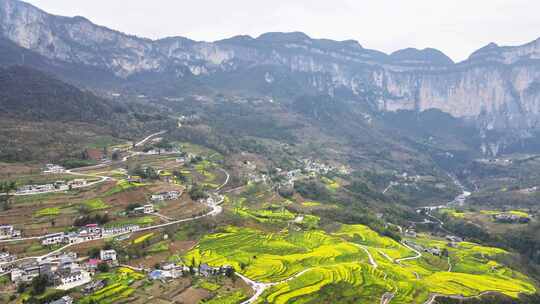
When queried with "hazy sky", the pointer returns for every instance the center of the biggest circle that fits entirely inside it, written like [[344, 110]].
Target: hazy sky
[[456, 27]]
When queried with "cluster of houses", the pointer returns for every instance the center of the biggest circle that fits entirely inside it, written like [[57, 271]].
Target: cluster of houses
[[212, 199], [56, 186], [312, 166], [452, 242], [65, 271], [166, 196], [174, 271], [87, 233], [53, 169], [9, 232], [511, 218]]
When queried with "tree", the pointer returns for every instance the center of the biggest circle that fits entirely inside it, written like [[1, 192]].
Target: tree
[[103, 267], [93, 253], [197, 192], [115, 156], [39, 284]]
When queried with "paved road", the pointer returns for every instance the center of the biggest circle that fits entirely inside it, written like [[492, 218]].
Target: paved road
[[387, 297], [260, 287], [142, 142], [417, 256]]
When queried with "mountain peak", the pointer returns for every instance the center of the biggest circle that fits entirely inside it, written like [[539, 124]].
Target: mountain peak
[[284, 37], [426, 56]]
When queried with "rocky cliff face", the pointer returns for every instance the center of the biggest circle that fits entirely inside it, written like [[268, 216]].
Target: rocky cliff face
[[499, 87]]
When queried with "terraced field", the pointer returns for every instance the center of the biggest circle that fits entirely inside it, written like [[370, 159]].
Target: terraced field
[[117, 289], [341, 259]]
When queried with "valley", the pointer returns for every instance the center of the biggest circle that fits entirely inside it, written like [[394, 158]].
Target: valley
[[255, 170]]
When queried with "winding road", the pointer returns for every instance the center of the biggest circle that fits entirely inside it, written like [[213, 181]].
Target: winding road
[[260, 287]]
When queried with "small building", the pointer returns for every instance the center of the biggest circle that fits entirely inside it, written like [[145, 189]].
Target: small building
[[6, 231], [69, 277], [166, 196], [434, 251], [93, 286], [454, 239], [92, 264], [63, 300], [148, 208], [107, 255], [53, 239], [134, 179], [53, 169], [78, 183]]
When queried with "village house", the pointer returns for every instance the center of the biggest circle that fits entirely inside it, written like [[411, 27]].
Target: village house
[[92, 264], [8, 232], [53, 239], [146, 209], [410, 233], [63, 300], [93, 286], [53, 169], [6, 267], [434, 251], [77, 183], [6, 257], [120, 230], [68, 276], [166, 196], [134, 179], [27, 272], [108, 255], [511, 218], [454, 239]]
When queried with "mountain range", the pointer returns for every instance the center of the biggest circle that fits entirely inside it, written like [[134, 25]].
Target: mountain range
[[497, 88]]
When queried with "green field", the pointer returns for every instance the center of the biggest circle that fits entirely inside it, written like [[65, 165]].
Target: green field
[[209, 286], [145, 220], [143, 238], [325, 261], [230, 298], [47, 212], [118, 287], [122, 186], [266, 215], [95, 204]]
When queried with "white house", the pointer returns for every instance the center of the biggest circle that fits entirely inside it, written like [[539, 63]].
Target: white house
[[149, 208], [6, 231], [78, 183], [53, 169], [53, 239], [107, 255], [63, 300], [70, 277]]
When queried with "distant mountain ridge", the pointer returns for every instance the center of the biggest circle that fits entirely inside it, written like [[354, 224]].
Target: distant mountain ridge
[[498, 88]]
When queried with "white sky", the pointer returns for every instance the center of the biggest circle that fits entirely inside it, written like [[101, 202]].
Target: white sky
[[456, 27]]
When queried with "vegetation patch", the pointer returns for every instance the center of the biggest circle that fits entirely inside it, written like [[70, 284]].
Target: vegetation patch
[[209, 286], [47, 212], [309, 263], [229, 298], [143, 238], [122, 186], [95, 204], [145, 220], [118, 287], [266, 215]]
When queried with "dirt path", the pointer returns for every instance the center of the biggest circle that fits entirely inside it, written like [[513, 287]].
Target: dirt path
[[417, 256], [260, 287]]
